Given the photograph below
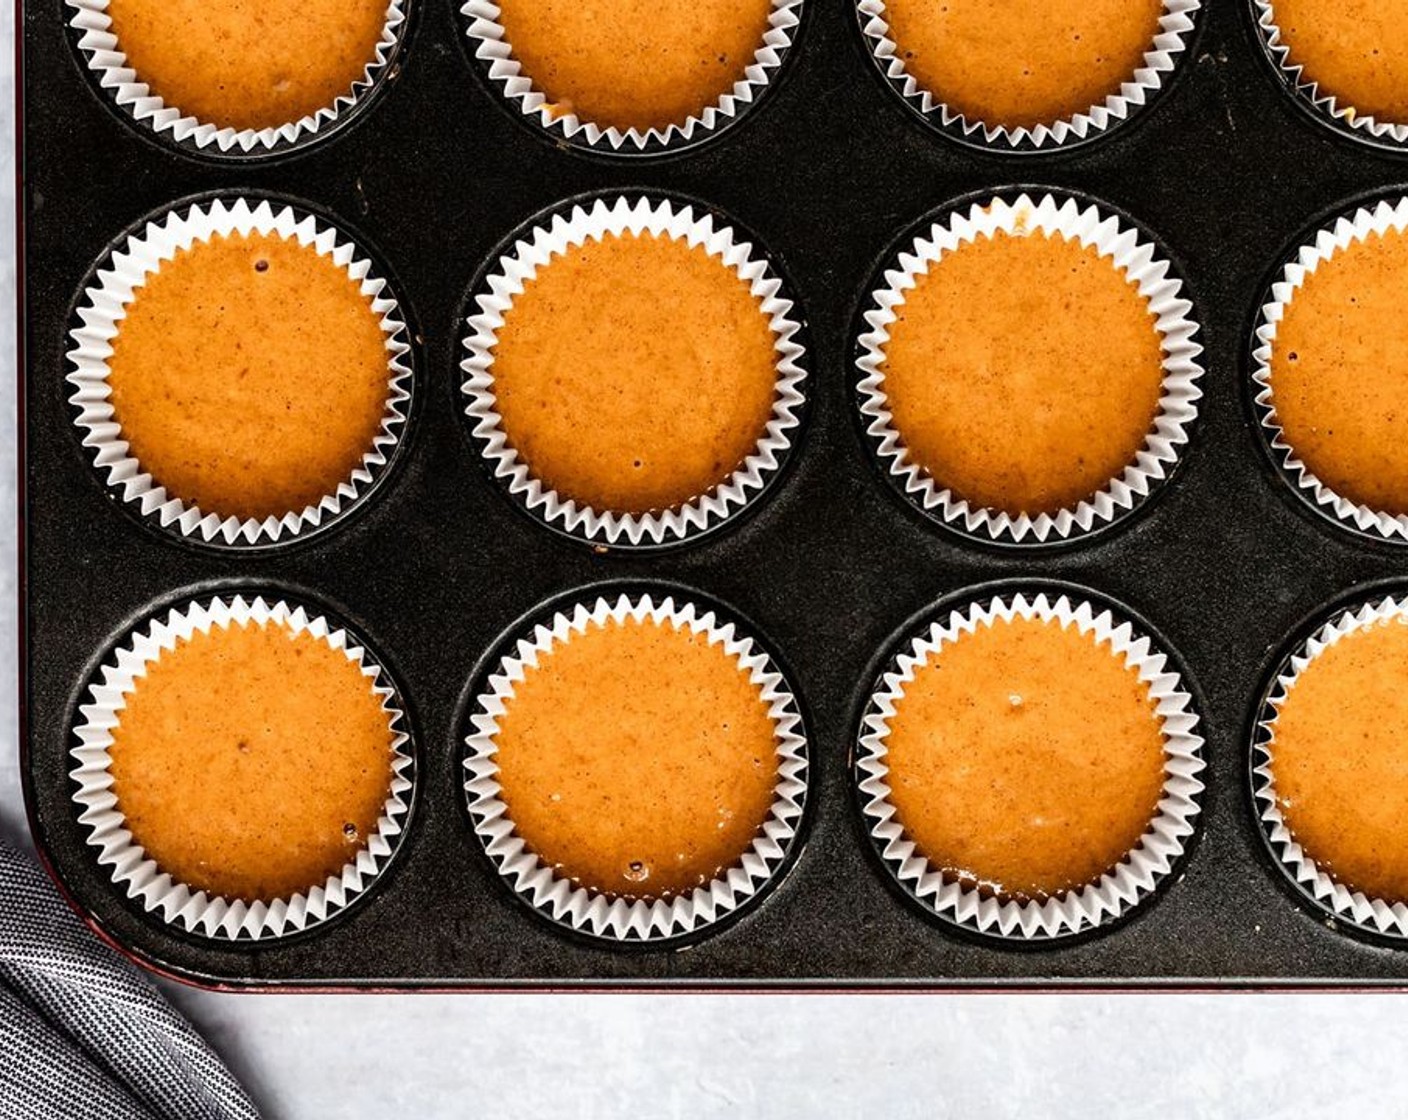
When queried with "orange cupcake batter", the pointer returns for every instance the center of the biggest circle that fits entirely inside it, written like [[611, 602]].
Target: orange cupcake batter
[[248, 63], [249, 376], [1023, 372], [252, 762], [634, 373], [1339, 373], [1021, 63], [1353, 50], [1026, 759], [1339, 762], [634, 63], [637, 759]]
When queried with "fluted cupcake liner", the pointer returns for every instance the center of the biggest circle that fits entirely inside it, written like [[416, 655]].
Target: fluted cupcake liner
[[1347, 905], [1176, 27], [102, 54], [1117, 891], [132, 870], [1143, 265], [554, 235], [1344, 119], [494, 52], [616, 919], [102, 307], [1386, 216]]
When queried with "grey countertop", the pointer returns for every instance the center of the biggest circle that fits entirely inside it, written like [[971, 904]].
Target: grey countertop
[[1130, 1056]]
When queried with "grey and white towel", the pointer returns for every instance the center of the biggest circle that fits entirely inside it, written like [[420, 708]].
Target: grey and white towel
[[83, 1033]]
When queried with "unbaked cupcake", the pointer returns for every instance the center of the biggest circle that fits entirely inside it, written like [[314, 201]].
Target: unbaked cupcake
[[240, 374], [249, 78], [1027, 75], [633, 76], [637, 767], [1029, 372], [1329, 769], [1329, 362], [1347, 62], [242, 767], [1029, 766], [633, 373]]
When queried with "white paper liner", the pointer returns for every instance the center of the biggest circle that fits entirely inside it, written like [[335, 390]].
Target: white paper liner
[[556, 235], [1115, 892], [1387, 216], [1152, 275], [196, 910], [589, 911], [103, 306], [1344, 118], [1175, 31], [103, 55], [492, 48], [1351, 906]]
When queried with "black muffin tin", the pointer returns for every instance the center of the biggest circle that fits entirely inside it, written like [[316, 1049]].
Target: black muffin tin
[[828, 170]]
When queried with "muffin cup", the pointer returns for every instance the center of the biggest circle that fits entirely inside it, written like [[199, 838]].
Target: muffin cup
[[1116, 893], [1176, 28], [198, 911], [1130, 250], [1378, 218], [98, 317], [494, 54], [554, 234], [1344, 905], [1344, 119], [585, 911], [101, 53]]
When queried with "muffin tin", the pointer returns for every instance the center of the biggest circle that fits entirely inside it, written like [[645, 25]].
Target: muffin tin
[[829, 568]]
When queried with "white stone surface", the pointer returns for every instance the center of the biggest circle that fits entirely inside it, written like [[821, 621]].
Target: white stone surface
[[1098, 1055]]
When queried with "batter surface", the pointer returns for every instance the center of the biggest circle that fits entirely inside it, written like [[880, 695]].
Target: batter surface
[[1354, 50], [1339, 762], [249, 376], [634, 63], [249, 63], [1339, 373], [634, 373], [1024, 372], [637, 759], [1021, 63], [252, 762], [1025, 759]]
